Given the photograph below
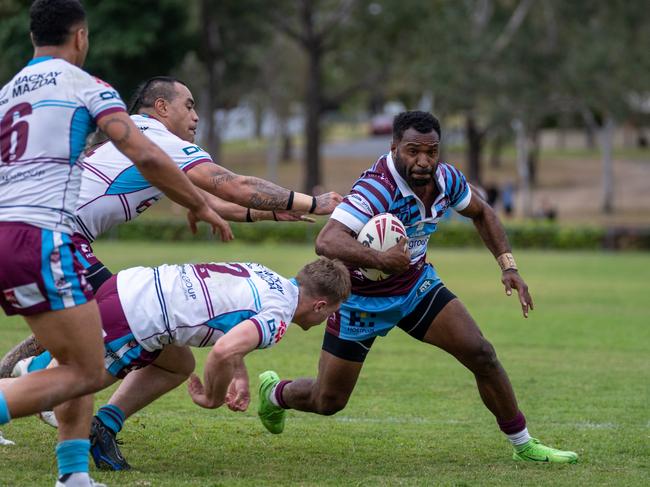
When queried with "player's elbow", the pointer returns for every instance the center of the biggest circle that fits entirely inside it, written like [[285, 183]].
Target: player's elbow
[[325, 245]]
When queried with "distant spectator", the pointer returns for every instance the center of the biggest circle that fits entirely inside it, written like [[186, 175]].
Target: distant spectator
[[547, 210], [508, 197], [492, 194]]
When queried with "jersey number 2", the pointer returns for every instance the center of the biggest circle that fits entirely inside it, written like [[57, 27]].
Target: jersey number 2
[[203, 270], [8, 128]]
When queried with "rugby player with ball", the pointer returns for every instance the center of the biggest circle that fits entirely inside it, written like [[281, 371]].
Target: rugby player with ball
[[411, 185]]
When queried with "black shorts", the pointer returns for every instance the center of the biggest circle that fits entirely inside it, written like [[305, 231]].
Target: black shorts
[[415, 324]]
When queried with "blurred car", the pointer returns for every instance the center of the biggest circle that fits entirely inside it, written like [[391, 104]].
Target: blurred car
[[381, 125]]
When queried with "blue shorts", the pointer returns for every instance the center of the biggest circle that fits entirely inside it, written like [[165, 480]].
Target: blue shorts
[[364, 317]]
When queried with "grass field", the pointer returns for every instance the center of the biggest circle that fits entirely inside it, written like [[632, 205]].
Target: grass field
[[580, 366]]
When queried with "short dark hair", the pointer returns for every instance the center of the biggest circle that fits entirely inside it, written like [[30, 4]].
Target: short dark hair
[[423, 122], [148, 92], [50, 21]]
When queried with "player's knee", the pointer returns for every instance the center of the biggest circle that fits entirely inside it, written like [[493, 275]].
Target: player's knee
[[484, 358], [88, 374], [186, 366], [329, 404]]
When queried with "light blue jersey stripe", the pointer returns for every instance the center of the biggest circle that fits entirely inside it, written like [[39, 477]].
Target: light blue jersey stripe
[[256, 295], [47, 247], [379, 187], [228, 321], [354, 212], [67, 264], [381, 208]]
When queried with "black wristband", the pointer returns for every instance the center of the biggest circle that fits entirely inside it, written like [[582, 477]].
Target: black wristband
[[313, 204], [275, 217], [248, 215], [290, 202]]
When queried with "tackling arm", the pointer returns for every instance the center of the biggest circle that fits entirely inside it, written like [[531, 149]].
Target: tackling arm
[[252, 192], [223, 361], [237, 213]]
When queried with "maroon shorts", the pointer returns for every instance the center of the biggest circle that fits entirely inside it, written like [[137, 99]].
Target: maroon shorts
[[39, 271], [123, 353], [84, 250]]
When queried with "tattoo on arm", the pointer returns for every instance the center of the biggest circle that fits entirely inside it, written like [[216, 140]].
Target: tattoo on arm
[[268, 196], [221, 179], [27, 348]]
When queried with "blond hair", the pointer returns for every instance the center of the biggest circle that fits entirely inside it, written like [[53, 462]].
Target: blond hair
[[326, 278]]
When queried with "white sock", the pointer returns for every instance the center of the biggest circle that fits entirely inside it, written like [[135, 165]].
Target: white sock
[[520, 438], [81, 479], [272, 398]]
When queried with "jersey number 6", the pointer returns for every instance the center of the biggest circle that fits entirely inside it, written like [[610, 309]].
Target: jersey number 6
[[20, 128]]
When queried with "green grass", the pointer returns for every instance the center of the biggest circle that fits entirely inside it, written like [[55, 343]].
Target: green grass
[[579, 364]]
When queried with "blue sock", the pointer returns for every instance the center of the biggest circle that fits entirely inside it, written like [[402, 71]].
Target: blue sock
[[72, 456], [40, 362], [112, 417], [5, 416]]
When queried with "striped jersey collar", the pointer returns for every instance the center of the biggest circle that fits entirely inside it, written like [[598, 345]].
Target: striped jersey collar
[[406, 189]]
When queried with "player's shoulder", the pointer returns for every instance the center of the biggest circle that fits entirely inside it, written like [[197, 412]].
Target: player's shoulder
[[169, 142], [379, 175]]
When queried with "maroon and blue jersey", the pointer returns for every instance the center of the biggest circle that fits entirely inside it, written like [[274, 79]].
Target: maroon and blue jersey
[[375, 307], [382, 190]]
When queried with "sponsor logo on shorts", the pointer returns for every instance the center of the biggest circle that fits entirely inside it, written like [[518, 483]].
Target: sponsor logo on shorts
[[424, 287], [24, 296]]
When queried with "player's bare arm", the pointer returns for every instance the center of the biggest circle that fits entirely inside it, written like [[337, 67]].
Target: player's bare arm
[[337, 241], [221, 365], [237, 213], [494, 236], [238, 396], [253, 192], [157, 167]]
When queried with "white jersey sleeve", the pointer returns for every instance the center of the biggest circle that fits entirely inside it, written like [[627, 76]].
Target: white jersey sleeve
[[113, 191], [46, 112], [196, 304]]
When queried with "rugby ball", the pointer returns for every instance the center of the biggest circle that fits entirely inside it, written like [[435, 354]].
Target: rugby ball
[[381, 233]]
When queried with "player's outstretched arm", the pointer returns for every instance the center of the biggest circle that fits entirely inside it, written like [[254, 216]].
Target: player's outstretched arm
[[494, 236], [253, 192], [221, 365], [237, 213], [337, 241], [157, 167]]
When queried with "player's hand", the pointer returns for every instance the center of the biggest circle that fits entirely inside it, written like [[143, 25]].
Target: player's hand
[[512, 280], [326, 202], [238, 396], [197, 393], [292, 216], [396, 259], [210, 216]]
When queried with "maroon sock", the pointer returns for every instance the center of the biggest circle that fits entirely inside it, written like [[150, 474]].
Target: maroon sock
[[278, 393], [514, 425]]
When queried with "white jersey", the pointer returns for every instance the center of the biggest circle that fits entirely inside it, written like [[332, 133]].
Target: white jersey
[[196, 304], [112, 189], [46, 112]]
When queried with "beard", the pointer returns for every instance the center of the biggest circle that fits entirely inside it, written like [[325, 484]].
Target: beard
[[408, 176], [419, 181]]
